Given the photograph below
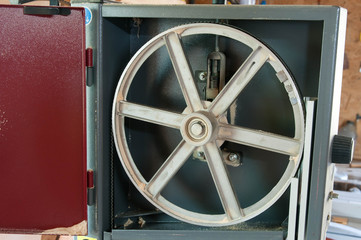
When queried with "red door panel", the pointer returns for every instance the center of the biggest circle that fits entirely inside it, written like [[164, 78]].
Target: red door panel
[[42, 122]]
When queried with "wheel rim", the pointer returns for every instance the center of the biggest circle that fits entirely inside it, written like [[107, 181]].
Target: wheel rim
[[202, 125]]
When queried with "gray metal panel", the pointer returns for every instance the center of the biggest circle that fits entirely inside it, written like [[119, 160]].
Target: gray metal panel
[[195, 235], [324, 119], [104, 90], [91, 95], [326, 125], [102, 138], [114, 55], [255, 12], [107, 236]]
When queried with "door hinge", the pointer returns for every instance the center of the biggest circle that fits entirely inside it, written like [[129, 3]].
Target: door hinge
[[89, 67], [90, 187]]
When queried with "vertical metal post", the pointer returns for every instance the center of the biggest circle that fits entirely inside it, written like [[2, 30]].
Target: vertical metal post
[[292, 217], [305, 169]]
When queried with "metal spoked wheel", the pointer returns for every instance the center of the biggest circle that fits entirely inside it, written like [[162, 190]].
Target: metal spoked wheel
[[203, 126]]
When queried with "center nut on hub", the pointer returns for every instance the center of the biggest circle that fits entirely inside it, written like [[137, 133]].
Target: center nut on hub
[[197, 129]]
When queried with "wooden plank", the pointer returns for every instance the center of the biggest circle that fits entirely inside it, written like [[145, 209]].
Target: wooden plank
[[340, 220]]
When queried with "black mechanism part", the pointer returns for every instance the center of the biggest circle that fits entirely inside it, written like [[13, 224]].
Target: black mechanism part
[[54, 3], [24, 1], [89, 76], [137, 213], [342, 149], [31, 10], [91, 196]]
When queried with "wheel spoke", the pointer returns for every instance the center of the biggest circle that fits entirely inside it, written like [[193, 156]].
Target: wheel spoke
[[221, 179], [183, 71], [169, 168], [239, 81], [149, 114], [259, 139]]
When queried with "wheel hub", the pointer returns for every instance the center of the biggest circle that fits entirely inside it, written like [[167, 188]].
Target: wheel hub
[[197, 128]]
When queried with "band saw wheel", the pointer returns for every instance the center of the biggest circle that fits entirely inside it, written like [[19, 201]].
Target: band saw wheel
[[203, 125]]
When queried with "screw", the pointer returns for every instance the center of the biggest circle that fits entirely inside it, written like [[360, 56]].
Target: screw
[[202, 76], [332, 195], [233, 157], [200, 154]]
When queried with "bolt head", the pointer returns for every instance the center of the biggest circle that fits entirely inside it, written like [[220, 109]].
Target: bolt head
[[233, 157], [197, 129], [333, 195], [202, 76], [200, 154]]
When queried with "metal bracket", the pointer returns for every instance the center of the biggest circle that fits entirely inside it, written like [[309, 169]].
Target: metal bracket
[[302, 181]]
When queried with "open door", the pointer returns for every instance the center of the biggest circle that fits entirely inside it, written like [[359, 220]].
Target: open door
[[42, 120]]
